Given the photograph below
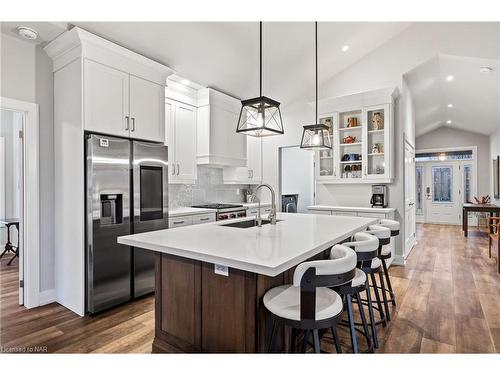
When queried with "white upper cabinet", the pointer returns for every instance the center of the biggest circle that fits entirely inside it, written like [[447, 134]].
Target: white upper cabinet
[[181, 141], [106, 99], [218, 143], [146, 110], [361, 129], [252, 172]]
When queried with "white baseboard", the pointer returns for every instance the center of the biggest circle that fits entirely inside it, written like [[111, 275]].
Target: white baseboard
[[47, 296]]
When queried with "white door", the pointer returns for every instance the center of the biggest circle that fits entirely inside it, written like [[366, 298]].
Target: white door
[[442, 192], [106, 93], [410, 214], [146, 110], [185, 142]]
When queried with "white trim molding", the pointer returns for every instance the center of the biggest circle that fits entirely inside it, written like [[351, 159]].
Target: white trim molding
[[30, 231]]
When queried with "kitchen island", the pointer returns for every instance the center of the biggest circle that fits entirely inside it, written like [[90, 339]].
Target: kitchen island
[[210, 278]]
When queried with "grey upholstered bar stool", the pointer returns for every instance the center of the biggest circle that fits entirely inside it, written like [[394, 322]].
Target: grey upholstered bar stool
[[309, 304], [366, 246], [384, 238], [394, 227]]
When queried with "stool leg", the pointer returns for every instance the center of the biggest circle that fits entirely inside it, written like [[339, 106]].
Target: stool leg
[[377, 297], [371, 314], [350, 316], [317, 347], [272, 337], [305, 341], [388, 279], [336, 341], [363, 319], [384, 297], [293, 340]]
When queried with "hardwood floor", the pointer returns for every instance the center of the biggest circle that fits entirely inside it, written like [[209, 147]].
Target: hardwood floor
[[448, 297]]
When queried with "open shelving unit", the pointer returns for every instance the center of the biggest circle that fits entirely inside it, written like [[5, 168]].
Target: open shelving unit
[[362, 144]]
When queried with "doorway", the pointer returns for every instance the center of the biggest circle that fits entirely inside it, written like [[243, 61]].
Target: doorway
[[444, 180], [297, 176], [11, 200]]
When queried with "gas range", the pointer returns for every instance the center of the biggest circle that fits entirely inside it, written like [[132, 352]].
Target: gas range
[[225, 211]]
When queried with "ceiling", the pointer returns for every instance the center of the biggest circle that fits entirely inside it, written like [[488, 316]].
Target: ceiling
[[474, 95], [47, 31], [224, 55]]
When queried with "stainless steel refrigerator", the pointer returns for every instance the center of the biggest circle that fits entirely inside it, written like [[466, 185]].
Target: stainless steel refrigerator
[[126, 193]]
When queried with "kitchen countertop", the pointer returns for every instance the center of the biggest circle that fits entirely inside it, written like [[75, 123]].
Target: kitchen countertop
[[321, 207], [269, 250], [185, 211]]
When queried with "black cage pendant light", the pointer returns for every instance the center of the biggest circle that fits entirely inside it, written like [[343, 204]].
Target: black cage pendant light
[[261, 116], [316, 136]]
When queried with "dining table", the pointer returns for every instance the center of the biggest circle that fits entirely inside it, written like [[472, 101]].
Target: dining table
[[493, 210]]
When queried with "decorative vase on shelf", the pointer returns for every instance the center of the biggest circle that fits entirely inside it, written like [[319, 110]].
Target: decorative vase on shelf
[[377, 121]]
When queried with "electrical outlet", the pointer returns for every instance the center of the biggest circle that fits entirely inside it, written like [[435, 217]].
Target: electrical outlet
[[221, 270]]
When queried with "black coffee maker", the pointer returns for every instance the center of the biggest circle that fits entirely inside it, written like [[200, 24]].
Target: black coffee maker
[[379, 196]]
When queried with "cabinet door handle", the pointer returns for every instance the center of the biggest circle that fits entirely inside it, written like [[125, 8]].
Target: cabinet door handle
[[133, 124], [127, 122], [178, 169], [173, 169]]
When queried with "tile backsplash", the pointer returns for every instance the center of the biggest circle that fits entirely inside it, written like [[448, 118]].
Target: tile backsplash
[[209, 188]]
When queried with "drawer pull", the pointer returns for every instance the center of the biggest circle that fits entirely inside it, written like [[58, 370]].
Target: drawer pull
[[204, 218], [178, 222]]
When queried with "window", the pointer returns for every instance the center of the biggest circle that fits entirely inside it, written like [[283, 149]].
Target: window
[[443, 156], [443, 184], [419, 189], [467, 183]]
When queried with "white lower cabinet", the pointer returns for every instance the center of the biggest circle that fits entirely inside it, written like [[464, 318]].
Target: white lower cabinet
[[264, 210], [182, 221]]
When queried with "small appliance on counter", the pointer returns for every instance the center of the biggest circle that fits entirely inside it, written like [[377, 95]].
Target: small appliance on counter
[[379, 196], [289, 202]]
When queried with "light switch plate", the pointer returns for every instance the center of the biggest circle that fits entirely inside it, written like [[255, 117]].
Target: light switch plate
[[221, 270]]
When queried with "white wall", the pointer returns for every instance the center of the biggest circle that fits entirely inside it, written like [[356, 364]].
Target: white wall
[[26, 74], [449, 137]]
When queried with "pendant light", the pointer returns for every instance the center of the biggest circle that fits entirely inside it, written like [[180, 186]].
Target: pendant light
[[316, 136], [261, 116]]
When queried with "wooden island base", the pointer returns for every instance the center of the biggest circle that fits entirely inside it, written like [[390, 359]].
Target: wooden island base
[[198, 311]]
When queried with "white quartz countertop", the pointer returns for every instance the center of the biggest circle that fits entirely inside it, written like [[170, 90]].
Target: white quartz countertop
[[185, 211], [268, 250], [350, 209]]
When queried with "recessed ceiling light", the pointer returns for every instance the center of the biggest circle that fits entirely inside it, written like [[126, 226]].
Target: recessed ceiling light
[[345, 48], [485, 69], [450, 78], [27, 33], [450, 105], [448, 122], [185, 82]]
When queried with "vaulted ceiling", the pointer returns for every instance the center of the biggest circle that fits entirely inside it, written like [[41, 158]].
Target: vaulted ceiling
[[473, 96]]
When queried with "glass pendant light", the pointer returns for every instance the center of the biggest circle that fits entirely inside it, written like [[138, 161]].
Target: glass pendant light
[[261, 116], [316, 136]]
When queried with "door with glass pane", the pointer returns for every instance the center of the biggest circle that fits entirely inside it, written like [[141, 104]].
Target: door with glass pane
[[442, 193], [419, 192]]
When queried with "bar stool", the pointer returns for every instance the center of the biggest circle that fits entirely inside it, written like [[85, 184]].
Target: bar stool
[[384, 238], [309, 304], [394, 227], [366, 247]]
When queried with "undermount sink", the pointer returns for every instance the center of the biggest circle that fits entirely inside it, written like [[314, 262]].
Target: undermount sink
[[246, 223]]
